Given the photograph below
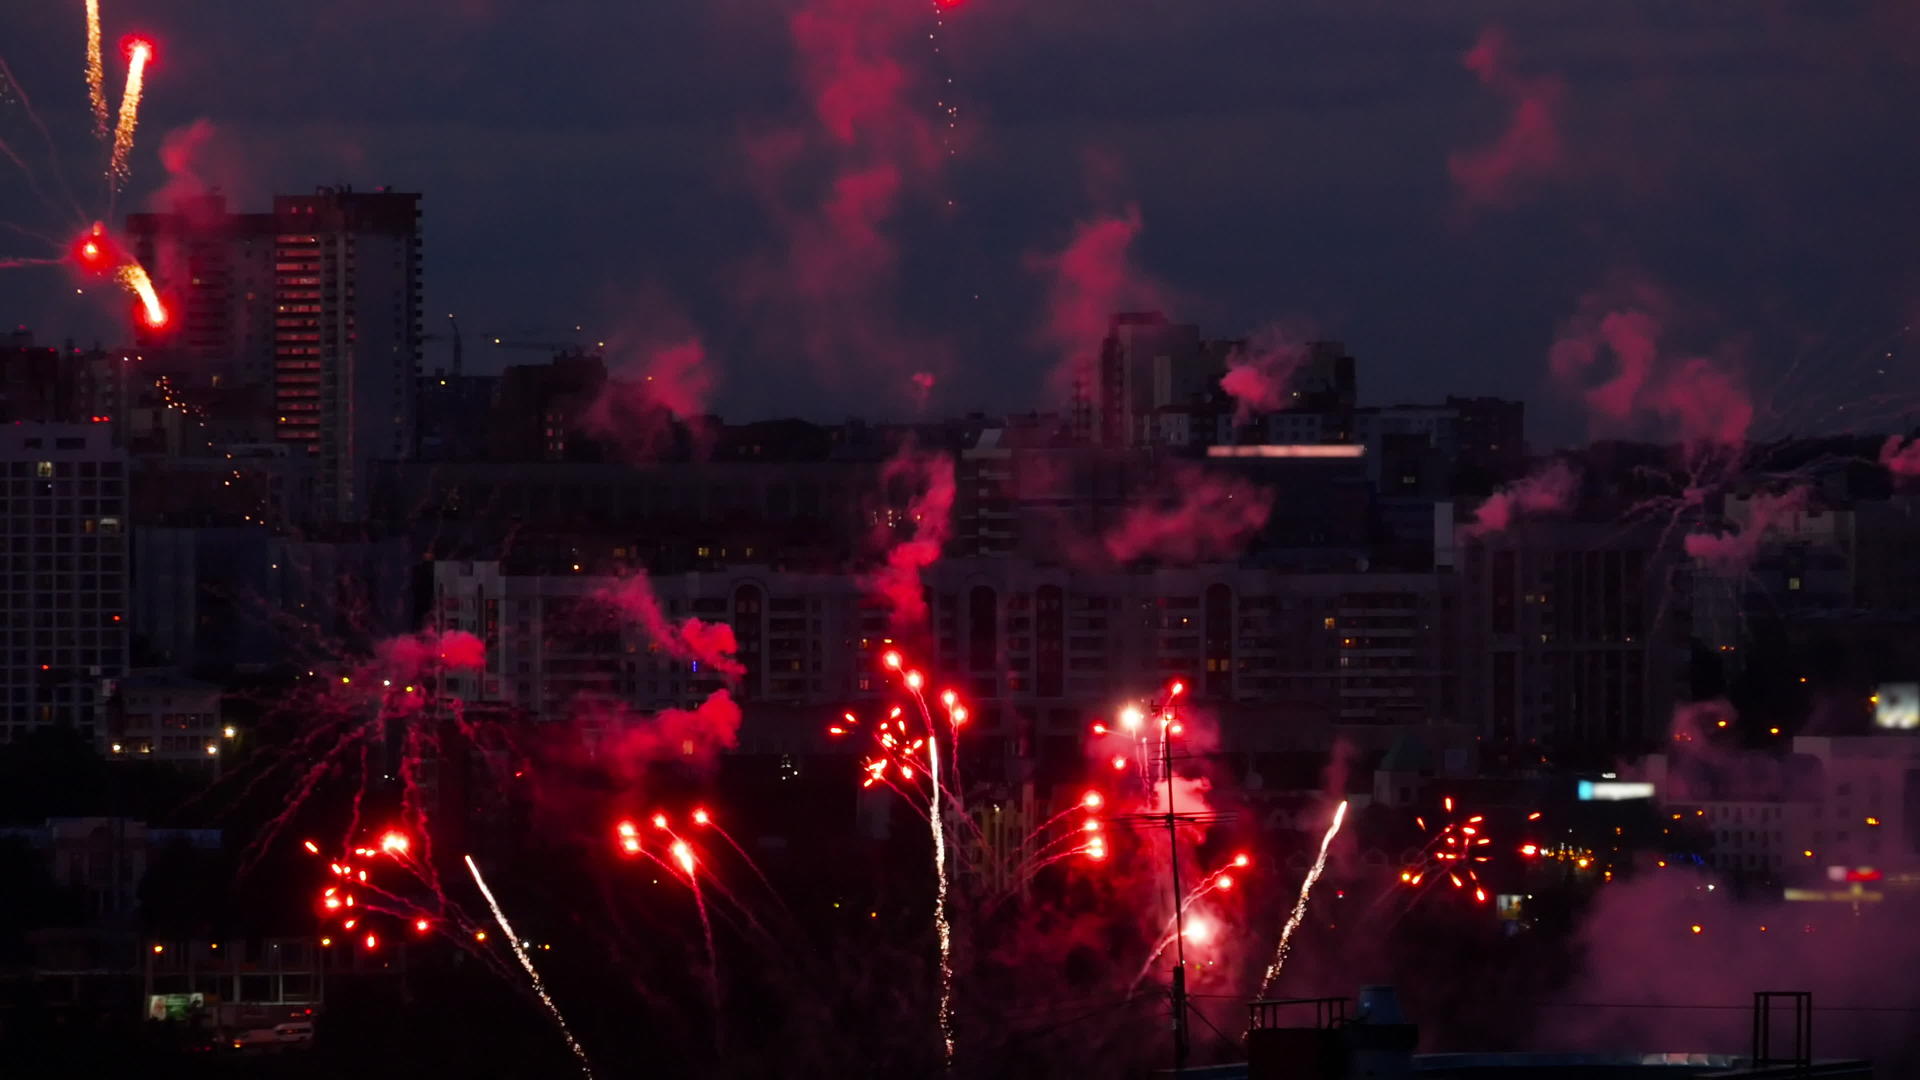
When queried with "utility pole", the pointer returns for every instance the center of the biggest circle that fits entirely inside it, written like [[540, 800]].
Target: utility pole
[[1180, 1043], [1132, 721]]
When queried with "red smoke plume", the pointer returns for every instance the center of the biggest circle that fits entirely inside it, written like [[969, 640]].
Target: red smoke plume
[[691, 735], [1087, 282], [638, 404], [1903, 461], [1610, 352], [1546, 491], [834, 188], [1259, 377], [1529, 149], [428, 651], [1730, 554], [711, 644], [929, 515], [1192, 516]]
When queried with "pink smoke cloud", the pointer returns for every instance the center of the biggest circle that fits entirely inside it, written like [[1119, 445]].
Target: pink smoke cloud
[[1529, 148], [923, 383], [1191, 515], [1547, 491], [1260, 377], [1731, 554], [929, 514], [693, 736], [637, 406], [419, 654], [835, 187], [199, 159], [1611, 353], [1088, 281], [1901, 459], [710, 644]]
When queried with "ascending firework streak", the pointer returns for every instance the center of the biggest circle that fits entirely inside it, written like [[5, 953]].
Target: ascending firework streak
[[139, 51], [1300, 905], [526, 962], [941, 928], [96, 70], [900, 751]]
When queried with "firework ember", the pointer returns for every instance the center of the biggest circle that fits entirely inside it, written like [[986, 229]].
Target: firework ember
[[93, 252], [1455, 852]]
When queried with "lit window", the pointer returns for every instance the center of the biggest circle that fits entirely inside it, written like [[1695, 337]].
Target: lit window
[[44, 470], [1793, 583]]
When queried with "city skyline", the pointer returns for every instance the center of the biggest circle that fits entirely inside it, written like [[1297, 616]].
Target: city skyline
[[1448, 286], [956, 538]]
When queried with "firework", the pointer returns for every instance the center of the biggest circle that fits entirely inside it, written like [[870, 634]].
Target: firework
[[96, 71], [93, 251], [683, 855], [1220, 880], [942, 929], [139, 51], [1300, 905], [1454, 853], [526, 962], [134, 277], [902, 751]]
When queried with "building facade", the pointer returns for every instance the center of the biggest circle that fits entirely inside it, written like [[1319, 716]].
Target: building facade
[[63, 574], [318, 299]]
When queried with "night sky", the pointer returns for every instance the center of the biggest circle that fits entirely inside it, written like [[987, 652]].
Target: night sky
[[657, 170]]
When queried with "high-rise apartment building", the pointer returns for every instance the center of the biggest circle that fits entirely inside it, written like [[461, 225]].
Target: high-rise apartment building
[[320, 299], [215, 269], [63, 574]]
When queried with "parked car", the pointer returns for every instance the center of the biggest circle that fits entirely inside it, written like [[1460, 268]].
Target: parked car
[[257, 1037], [294, 1031]]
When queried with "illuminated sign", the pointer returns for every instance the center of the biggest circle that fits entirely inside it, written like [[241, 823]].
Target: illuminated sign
[[1855, 895], [174, 1006], [1853, 873], [1897, 706], [1290, 450], [1614, 790]]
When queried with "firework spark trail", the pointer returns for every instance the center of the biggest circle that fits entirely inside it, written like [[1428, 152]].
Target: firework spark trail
[[10, 264], [526, 963], [1219, 880], [683, 854], [96, 71], [940, 925], [708, 821], [139, 51], [7, 80], [134, 277], [1300, 906]]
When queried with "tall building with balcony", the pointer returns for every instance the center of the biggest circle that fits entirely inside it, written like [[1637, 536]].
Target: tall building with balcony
[[63, 574], [346, 334]]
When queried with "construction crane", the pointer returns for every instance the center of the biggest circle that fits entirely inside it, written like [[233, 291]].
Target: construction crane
[[453, 335], [527, 339]]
